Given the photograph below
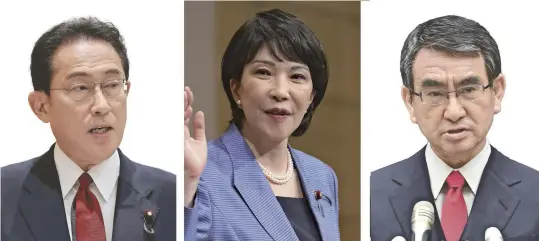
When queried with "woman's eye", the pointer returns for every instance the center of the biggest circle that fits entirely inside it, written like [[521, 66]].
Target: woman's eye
[[299, 76], [262, 72]]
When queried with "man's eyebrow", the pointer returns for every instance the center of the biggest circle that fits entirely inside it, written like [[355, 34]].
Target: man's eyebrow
[[430, 83], [113, 71], [72, 75], [76, 74], [470, 80]]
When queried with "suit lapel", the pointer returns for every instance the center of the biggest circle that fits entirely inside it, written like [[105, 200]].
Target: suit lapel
[[309, 188], [41, 201], [255, 190], [414, 186], [494, 203], [134, 190]]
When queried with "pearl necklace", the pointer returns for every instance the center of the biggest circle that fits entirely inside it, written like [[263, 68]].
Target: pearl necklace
[[280, 180]]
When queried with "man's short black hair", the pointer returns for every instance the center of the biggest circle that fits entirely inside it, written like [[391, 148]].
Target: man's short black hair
[[84, 28]]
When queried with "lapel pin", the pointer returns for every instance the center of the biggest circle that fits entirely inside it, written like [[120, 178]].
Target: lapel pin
[[148, 222], [317, 195]]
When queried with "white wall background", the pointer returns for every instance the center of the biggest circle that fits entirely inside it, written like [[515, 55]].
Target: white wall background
[[154, 39], [387, 134]]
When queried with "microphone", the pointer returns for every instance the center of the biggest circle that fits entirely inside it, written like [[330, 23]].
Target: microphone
[[398, 238], [493, 234], [422, 220]]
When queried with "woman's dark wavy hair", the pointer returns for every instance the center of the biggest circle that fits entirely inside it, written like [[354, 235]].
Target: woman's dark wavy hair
[[288, 38]]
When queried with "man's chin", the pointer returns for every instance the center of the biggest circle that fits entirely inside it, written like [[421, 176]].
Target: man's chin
[[464, 147], [97, 154]]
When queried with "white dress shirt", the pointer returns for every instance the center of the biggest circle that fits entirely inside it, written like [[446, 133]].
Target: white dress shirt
[[439, 171], [104, 186]]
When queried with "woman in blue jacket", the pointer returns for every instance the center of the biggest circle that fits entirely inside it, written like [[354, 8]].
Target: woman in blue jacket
[[249, 184]]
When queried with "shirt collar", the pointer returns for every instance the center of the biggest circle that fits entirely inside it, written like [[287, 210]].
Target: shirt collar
[[104, 175], [472, 171]]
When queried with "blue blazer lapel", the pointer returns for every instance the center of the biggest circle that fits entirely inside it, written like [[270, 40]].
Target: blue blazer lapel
[[255, 190], [41, 201], [131, 202], [414, 186], [310, 186], [494, 203]]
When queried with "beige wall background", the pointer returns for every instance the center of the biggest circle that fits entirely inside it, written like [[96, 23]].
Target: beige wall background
[[334, 133]]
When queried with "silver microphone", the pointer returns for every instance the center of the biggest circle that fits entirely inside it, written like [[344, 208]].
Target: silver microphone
[[422, 220], [398, 238], [493, 234]]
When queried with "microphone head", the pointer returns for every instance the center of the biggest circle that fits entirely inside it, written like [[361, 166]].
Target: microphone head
[[423, 215], [398, 238], [493, 234]]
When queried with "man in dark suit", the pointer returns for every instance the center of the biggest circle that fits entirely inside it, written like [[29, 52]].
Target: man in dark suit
[[84, 188], [452, 88]]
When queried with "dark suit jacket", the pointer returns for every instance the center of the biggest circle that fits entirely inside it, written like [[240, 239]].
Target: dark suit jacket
[[507, 198], [33, 208]]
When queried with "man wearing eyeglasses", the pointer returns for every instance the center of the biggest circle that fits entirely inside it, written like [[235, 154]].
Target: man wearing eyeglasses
[[84, 188], [452, 87]]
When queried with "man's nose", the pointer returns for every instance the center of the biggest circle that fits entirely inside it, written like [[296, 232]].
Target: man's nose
[[101, 105], [454, 110]]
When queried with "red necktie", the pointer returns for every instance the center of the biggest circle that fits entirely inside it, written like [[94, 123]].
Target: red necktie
[[454, 211], [89, 219]]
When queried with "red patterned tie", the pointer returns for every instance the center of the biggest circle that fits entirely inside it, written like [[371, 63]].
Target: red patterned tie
[[454, 211], [89, 219]]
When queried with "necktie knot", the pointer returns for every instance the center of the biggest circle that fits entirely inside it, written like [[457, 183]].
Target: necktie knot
[[84, 180], [455, 180]]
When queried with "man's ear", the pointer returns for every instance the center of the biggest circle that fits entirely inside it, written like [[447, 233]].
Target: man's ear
[[40, 105], [128, 87], [498, 87], [407, 98]]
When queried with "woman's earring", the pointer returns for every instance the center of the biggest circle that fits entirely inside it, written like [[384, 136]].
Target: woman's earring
[[239, 103]]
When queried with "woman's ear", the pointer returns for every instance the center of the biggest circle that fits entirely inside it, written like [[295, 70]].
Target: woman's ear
[[235, 89], [312, 97]]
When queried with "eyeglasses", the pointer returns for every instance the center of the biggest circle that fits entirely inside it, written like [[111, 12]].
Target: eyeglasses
[[440, 96], [114, 89]]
